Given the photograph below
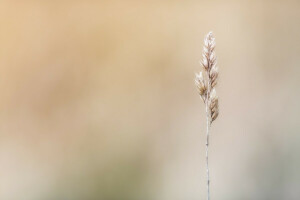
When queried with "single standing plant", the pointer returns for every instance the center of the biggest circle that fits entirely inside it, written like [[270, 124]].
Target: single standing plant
[[206, 83]]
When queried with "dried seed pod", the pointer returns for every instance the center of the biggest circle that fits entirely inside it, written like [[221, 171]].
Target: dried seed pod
[[214, 115], [204, 61], [202, 88], [213, 75], [214, 105]]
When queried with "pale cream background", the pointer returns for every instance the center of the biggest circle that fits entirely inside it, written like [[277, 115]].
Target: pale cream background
[[97, 100]]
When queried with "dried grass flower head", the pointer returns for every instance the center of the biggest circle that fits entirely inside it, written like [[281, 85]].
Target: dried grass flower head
[[206, 81]]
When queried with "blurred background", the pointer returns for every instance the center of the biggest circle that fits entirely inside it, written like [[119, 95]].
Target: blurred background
[[98, 102]]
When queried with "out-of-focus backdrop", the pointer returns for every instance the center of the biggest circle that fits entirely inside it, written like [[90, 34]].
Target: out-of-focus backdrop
[[97, 100]]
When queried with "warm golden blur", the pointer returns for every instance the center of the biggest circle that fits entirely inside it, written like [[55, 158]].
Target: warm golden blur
[[98, 102]]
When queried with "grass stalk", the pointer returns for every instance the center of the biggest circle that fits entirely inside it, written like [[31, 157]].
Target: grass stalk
[[206, 88]]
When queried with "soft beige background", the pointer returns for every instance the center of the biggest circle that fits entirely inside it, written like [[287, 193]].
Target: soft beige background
[[97, 100]]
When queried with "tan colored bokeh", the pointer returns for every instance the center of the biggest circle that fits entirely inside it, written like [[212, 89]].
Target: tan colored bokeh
[[97, 100]]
